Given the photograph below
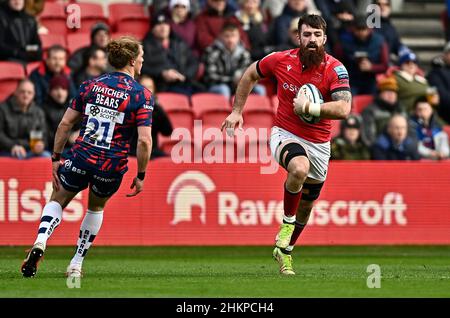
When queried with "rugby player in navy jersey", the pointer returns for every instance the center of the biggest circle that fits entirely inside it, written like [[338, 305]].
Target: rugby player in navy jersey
[[110, 107]]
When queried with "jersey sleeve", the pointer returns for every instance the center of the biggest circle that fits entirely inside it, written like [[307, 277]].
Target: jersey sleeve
[[266, 66], [77, 101], [338, 78], [144, 110]]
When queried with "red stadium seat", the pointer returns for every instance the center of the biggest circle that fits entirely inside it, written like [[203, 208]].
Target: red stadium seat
[[183, 118], [10, 75], [77, 40], [173, 101], [53, 17], [360, 102], [122, 11], [256, 102], [49, 40], [91, 13], [208, 102], [214, 118], [167, 145], [259, 120], [31, 67], [138, 27]]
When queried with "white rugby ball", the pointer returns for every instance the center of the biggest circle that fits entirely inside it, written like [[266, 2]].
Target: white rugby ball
[[314, 96]]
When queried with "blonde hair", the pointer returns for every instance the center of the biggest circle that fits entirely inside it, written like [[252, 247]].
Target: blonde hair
[[122, 50]]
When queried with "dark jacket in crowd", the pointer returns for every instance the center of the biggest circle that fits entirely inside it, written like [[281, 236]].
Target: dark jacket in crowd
[[390, 34], [15, 126], [18, 30], [160, 125], [257, 36], [341, 149], [41, 78], [279, 30], [178, 56], [439, 76], [222, 66], [384, 149]]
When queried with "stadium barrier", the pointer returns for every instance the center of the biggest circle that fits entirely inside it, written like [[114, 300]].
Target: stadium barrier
[[234, 204]]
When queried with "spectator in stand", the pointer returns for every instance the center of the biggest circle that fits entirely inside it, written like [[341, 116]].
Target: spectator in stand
[[54, 64], [340, 22], [225, 63], [432, 140], [54, 107], [22, 125], [168, 59], [439, 77], [100, 36], [349, 145], [387, 29], [181, 22], [293, 41], [253, 23], [160, 123], [395, 144], [19, 39], [365, 54], [95, 64], [161, 5], [210, 21], [412, 85], [279, 29], [376, 115]]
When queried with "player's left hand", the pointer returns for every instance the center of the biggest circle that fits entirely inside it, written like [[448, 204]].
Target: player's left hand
[[138, 186], [299, 104]]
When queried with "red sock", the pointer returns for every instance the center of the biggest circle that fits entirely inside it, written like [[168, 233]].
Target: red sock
[[291, 201], [297, 231]]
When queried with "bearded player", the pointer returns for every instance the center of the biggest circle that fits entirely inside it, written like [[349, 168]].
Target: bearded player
[[300, 138]]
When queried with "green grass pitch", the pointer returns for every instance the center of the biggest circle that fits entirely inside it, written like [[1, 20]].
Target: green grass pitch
[[406, 271]]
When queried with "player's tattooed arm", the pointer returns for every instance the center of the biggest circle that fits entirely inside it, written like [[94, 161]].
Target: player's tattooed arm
[[339, 107], [346, 96]]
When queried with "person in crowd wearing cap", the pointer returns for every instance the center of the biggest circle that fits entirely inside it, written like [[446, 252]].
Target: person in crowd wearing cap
[[181, 22], [100, 37], [394, 143], [54, 64], [168, 59], [95, 64], [365, 54], [432, 140], [439, 77], [54, 108], [19, 39], [161, 122], [349, 145], [387, 28], [225, 63], [411, 84], [22, 124], [377, 114], [254, 23], [210, 22]]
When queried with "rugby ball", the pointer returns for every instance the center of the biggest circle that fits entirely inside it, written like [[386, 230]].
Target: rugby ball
[[314, 96]]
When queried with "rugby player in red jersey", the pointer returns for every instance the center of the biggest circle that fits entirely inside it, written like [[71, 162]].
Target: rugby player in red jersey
[[110, 106], [300, 138]]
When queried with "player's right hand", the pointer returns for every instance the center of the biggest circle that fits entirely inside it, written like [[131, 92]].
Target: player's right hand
[[56, 183], [230, 123], [138, 184]]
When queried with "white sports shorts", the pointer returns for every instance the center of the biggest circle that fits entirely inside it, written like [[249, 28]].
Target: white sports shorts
[[318, 154]]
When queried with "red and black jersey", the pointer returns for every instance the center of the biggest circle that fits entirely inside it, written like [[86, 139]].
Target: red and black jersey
[[331, 76], [112, 106]]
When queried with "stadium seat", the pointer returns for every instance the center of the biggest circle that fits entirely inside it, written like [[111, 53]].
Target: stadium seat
[[181, 118], [91, 13], [31, 67], [256, 102], [138, 27], [10, 75], [214, 118], [166, 145], [53, 17], [122, 11], [360, 102], [78, 40], [259, 119], [173, 101], [208, 102], [49, 40]]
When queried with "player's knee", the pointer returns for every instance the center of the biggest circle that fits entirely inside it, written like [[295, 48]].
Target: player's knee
[[299, 171]]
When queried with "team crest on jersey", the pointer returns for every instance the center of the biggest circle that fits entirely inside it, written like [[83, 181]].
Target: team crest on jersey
[[341, 72], [289, 67]]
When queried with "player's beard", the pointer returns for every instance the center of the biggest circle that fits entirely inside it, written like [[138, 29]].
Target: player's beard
[[311, 58]]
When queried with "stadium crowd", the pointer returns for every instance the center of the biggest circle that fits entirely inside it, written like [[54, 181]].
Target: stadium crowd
[[204, 46]]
